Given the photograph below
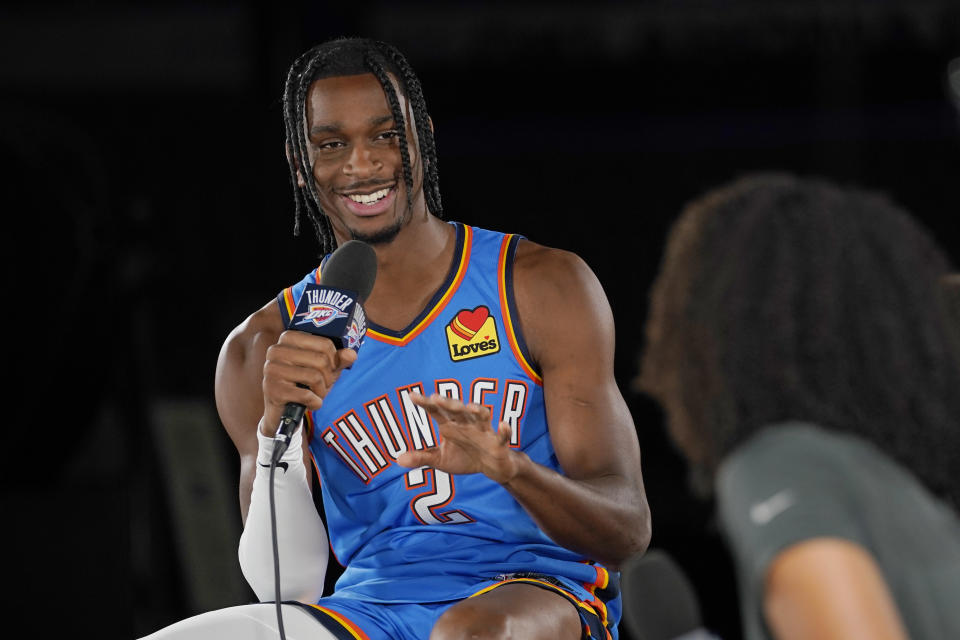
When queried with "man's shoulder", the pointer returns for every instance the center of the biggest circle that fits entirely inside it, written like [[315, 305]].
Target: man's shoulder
[[531, 256], [263, 325], [539, 261], [551, 284]]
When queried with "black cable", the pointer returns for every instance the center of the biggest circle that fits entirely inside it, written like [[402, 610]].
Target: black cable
[[276, 550]]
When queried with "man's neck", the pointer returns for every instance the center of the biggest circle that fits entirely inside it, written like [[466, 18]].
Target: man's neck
[[410, 269]]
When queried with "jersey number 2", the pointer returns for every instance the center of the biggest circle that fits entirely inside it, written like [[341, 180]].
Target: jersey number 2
[[427, 505]]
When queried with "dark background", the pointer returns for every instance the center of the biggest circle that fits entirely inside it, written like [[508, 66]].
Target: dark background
[[147, 211]]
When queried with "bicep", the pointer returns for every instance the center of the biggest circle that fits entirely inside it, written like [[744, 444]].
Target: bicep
[[590, 425], [829, 588], [238, 389], [238, 386]]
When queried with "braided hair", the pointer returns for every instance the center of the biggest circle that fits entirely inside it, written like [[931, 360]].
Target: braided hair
[[354, 56], [782, 298]]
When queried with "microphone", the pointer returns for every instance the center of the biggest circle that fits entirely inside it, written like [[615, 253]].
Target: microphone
[[658, 601], [333, 309]]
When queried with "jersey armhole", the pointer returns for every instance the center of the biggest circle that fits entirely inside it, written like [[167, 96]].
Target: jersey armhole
[[508, 308], [287, 299], [287, 304]]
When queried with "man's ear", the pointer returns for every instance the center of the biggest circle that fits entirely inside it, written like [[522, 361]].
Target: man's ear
[[286, 151]]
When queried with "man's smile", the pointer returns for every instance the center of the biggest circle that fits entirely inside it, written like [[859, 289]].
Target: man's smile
[[371, 203]]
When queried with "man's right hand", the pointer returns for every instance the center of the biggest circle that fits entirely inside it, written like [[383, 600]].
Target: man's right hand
[[299, 358]]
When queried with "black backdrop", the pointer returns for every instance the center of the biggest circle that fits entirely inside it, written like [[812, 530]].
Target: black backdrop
[[148, 211]]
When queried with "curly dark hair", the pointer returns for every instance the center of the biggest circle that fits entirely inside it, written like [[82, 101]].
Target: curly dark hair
[[781, 298], [344, 57]]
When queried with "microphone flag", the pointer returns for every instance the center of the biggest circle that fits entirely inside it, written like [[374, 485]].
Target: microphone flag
[[332, 312]]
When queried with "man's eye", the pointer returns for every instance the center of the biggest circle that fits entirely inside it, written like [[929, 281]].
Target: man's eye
[[388, 135], [329, 145]]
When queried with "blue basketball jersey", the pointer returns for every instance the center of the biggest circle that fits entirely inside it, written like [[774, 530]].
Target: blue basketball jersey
[[422, 535]]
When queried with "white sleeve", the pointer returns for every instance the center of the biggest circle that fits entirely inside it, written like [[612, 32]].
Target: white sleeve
[[301, 537]]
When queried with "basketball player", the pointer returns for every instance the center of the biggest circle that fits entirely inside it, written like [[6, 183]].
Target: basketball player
[[479, 468]]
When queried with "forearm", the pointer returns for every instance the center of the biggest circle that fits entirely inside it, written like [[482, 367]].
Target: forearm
[[605, 518], [829, 588], [301, 537]]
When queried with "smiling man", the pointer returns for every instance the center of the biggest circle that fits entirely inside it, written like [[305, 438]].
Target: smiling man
[[479, 469]]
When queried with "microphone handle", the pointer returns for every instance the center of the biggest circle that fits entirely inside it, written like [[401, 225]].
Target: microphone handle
[[289, 421]]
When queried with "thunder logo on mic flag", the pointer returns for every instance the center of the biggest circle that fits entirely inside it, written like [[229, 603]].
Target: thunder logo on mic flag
[[331, 312]]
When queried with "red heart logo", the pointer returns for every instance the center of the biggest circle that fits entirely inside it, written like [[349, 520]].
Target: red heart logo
[[467, 323]]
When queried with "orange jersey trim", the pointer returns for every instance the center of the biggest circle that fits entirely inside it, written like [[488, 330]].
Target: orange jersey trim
[[549, 585], [505, 312], [288, 300], [288, 296], [351, 628], [603, 579], [441, 303]]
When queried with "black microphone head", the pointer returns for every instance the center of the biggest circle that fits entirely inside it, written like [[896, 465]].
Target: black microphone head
[[353, 266], [658, 601]]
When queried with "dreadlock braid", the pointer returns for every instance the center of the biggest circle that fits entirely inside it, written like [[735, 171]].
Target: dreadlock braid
[[289, 119], [320, 221], [422, 121], [354, 56], [292, 75], [398, 120], [293, 103]]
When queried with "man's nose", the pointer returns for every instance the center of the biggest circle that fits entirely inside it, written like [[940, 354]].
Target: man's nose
[[362, 162]]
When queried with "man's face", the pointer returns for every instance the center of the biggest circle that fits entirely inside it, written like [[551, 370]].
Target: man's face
[[353, 147]]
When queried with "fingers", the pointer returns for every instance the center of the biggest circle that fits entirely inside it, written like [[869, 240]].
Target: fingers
[[451, 409], [301, 368], [504, 431], [346, 358], [284, 383], [436, 409], [424, 458]]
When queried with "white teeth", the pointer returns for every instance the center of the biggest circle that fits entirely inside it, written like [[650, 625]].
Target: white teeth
[[370, 198]]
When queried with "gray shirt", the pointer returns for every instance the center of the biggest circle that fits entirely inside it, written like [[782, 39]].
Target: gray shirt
[[796, 481]]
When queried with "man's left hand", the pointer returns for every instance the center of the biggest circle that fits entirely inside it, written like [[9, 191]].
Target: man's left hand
[[468, 442]]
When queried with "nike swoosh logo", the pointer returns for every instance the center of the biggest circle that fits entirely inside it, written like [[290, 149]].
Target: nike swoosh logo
[[280, 465], [763, 512]]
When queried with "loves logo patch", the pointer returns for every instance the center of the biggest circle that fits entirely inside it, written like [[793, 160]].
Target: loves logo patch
[[472, 333]]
